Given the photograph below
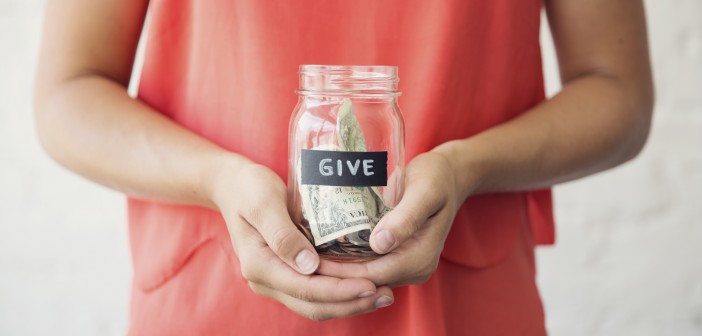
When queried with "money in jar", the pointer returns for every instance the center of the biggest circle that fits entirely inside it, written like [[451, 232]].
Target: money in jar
[[346, 156]]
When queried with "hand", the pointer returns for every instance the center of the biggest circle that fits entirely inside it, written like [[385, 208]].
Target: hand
[[276, 259], [412, 235]]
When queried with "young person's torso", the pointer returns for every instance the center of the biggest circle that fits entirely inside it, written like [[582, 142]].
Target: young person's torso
[[227, 70]]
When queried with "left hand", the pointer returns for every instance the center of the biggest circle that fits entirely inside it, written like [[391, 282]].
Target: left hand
[[412, 235]]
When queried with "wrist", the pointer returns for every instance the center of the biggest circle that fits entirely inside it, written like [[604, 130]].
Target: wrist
[[218, 178], [469, 171]]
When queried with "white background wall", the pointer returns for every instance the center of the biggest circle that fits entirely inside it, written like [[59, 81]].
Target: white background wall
[[629, 246]]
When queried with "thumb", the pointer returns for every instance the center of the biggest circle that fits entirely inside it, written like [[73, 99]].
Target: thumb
[[420, 201], [273, 222]]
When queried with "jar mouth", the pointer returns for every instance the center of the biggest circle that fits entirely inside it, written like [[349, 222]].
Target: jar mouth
[[317, 79]]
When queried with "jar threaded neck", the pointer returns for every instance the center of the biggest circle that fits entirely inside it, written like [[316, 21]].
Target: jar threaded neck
[[348, 80]]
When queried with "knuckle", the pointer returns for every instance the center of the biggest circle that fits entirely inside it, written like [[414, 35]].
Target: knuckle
[[408, 224], [412, 221], [254, 209], [256, 205], [282, 241], [436, 193], [363, 307], [303, 294], [401, 268], [318, 315]]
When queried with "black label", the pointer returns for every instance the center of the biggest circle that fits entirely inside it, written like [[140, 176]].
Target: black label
[[331, 168]]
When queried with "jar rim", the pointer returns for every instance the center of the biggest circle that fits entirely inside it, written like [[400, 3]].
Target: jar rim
[[387, 70], [348, 79]]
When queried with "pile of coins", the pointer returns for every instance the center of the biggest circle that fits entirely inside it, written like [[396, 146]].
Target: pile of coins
[[353, 246]]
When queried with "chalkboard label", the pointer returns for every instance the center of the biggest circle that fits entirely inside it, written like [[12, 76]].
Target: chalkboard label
[[332, 168]]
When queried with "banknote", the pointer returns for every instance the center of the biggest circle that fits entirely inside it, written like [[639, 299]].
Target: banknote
[[348, 130], [333, 212]]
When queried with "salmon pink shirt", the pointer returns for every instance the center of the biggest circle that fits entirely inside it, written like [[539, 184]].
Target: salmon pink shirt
[[227, 71]]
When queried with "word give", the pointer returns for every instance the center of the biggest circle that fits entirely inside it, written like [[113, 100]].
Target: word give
[[326, 167]]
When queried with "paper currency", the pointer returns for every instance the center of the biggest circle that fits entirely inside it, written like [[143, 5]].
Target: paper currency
[[348, 130], [340, 219]]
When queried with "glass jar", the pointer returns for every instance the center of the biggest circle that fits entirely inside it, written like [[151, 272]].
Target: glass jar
[[346, 156]]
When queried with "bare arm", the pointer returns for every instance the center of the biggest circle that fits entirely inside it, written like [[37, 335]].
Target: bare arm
[[88, 123], [600, 119]]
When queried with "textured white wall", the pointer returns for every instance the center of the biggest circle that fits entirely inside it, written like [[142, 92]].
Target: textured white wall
[[626, 262], [64, 258]]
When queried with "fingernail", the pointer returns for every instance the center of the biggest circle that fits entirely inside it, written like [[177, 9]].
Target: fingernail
[[366, 294], [384, 240], [305, 261], [383, 302]]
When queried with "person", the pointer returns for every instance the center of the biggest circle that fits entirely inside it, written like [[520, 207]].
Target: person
[[201, 152]]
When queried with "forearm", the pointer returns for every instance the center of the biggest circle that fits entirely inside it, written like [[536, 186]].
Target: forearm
[[596, 122], [90, 125]]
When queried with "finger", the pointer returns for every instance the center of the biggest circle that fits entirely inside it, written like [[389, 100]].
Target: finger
[[329, 310], [411, 263], [385, 270], [271, 219], [260, 265], [392, 270], [420, 201]]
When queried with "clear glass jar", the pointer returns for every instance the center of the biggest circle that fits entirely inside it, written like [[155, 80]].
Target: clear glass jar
[[346, 156]]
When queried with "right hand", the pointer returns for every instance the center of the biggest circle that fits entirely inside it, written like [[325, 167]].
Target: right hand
[[276, 259]]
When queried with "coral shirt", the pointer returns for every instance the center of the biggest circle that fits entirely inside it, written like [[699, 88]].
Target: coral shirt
[[227, 70]]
